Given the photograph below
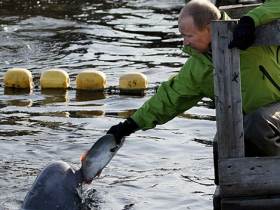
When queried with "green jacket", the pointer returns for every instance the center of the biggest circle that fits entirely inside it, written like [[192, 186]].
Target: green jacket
[[195, 79]]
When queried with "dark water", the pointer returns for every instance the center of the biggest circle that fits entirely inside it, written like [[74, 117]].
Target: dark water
[[169, 167]]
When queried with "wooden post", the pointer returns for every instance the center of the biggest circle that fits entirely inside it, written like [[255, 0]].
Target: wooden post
[[227, 91], [243, 182], [249, 176]]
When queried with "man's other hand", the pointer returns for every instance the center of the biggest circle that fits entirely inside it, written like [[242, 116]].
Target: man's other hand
[[243, 34]]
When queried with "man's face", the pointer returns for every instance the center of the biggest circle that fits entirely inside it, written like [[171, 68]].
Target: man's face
[[197, 39]]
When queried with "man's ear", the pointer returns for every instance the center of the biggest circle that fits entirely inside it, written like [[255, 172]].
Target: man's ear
[[208, 27]]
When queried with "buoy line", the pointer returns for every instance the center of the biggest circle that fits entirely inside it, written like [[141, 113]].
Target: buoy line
[[90, 80]]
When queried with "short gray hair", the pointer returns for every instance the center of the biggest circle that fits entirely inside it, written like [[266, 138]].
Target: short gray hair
[[202, 12]]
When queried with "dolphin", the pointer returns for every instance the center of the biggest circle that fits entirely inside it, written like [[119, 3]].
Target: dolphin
[[57, 185]]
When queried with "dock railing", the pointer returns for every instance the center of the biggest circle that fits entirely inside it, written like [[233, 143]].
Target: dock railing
[[243, 182]]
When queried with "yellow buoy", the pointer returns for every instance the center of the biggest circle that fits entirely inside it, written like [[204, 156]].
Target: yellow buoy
[[54, 78], [18, 78], [133, 81], [91, 80]]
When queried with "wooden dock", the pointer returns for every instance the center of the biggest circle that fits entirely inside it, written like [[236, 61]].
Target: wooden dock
[[243, 183]]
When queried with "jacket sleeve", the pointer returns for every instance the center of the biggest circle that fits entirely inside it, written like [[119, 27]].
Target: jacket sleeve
[[267, 12], [173, 97]]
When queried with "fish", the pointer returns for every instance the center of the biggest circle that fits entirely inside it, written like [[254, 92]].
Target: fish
[[57, 185], [99, 155]]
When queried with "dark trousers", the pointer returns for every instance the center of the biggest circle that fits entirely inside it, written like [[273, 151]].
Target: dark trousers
[[262, 131], [261, 134]]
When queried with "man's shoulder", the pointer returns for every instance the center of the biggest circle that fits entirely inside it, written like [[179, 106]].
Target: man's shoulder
[[197, 59]]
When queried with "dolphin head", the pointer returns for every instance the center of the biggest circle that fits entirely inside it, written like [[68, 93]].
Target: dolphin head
[[56, 187]]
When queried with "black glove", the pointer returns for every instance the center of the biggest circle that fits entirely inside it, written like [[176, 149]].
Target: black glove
[[243, 34], [123, 129]]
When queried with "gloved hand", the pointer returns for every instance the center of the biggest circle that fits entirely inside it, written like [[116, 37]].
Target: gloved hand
[[123, 129], [243, 34]]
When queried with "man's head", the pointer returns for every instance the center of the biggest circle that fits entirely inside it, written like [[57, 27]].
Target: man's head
[[194, 23]]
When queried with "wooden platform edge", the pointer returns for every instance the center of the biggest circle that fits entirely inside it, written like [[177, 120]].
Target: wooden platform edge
[[263, 34], [236, 11], [249, 176], [251, 203]]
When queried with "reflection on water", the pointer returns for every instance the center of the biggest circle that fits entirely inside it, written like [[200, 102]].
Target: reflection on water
[[42, 126], [14, 91], [84, 95], [87, 114], [20, 102], [54, 96]]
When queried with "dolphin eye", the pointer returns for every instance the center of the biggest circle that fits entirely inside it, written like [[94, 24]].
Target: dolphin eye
[[114, 149]]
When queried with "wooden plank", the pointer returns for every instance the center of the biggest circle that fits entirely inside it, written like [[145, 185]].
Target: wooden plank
[[249, 176], [217, 199], [227, 91], [268, 34], [236, 11], [225, 2], [234, 2], [251, 203]]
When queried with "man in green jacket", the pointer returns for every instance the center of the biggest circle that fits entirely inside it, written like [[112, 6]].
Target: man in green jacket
[[260, 77]]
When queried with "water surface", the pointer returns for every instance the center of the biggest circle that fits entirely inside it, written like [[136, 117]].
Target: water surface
[[169, 167]]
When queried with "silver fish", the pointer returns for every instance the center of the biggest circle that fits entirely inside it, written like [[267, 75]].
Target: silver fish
[[99, 156]]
